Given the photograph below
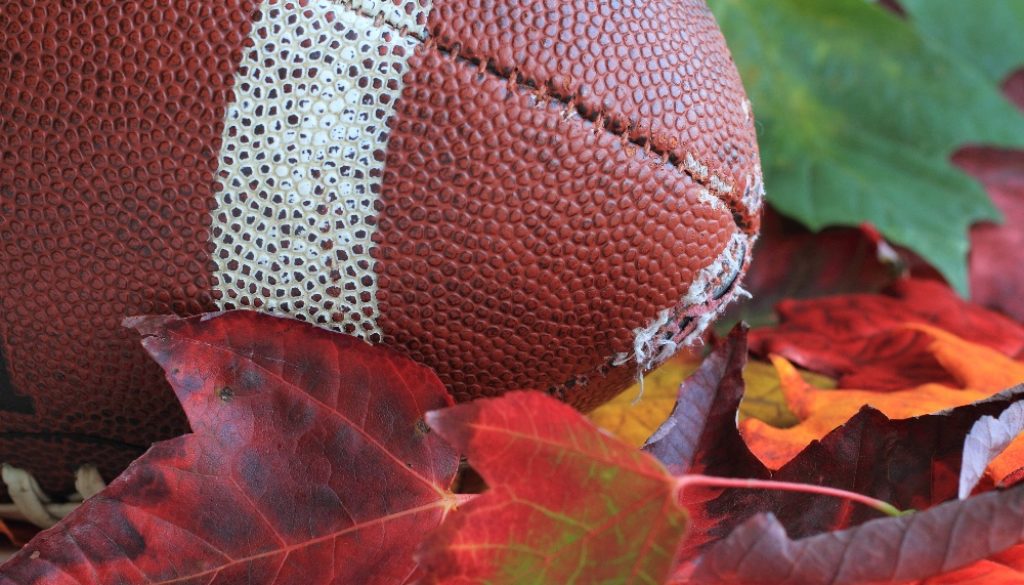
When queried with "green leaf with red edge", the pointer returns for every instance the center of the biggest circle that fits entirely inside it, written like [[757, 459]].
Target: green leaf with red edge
[[860, 339], [309, 462], [567, 503]]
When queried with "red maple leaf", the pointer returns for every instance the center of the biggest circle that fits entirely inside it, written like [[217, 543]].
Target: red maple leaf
[[862, 340], [567, 503], [309, 462]]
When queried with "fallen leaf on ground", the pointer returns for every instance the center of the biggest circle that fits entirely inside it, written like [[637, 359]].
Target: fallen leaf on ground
[[911, 463], [997, 280], [1004, 568], [765, 398], [989, 437], [792, 262], [632, 417], [978, 372], [854, 105], [862, 339], [309, 456], [989, 40], [567, 503], [700, 437]]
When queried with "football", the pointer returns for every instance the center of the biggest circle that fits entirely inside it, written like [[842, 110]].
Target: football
[[543, 194]]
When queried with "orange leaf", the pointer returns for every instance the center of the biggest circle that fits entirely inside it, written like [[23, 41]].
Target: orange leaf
[[981, 370]]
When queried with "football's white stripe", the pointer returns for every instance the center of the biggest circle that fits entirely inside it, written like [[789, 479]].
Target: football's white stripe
[[302, 159]]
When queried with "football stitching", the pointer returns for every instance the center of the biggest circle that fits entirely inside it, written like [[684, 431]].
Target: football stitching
[[670, 328], [688, 164], [668, 332]]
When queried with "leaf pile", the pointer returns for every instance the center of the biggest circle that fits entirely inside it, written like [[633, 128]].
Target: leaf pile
[[318, 458]]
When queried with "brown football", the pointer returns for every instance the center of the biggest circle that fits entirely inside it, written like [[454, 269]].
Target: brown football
[[547, 194]]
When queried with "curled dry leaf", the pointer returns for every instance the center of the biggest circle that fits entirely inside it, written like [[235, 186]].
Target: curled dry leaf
[[912, 463], [862, 339], [988, 438], [309, 457], [567, 503], [977, 372]]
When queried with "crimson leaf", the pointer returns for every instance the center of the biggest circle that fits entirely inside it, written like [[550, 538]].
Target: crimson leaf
[[309, 462]]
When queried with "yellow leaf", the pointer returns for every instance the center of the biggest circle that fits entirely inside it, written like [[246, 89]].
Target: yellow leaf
[[632, 417], [764, 398]]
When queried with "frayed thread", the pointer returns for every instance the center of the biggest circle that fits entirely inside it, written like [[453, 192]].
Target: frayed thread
[[656, 343]]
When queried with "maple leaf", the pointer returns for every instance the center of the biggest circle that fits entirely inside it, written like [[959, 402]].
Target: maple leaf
[[701, 436], [309, 457], [862, 339], [989, 39], [860, 112], [567, 503], [977, 370]]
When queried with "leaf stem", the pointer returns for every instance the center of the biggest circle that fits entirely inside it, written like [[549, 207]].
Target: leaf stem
[[784, 486]]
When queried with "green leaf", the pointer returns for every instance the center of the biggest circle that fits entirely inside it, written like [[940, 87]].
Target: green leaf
[[858, 115], [989, 35]]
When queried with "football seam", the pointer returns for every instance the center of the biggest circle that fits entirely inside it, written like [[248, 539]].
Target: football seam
[[546, 93], [712, 186]]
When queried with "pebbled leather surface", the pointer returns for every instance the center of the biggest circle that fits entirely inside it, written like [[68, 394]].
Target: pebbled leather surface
[[655, 71], [517, 248], [110, 126], [525, 222]]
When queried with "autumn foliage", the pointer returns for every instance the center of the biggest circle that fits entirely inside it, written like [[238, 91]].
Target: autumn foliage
[[864, 430], [315, 457]]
